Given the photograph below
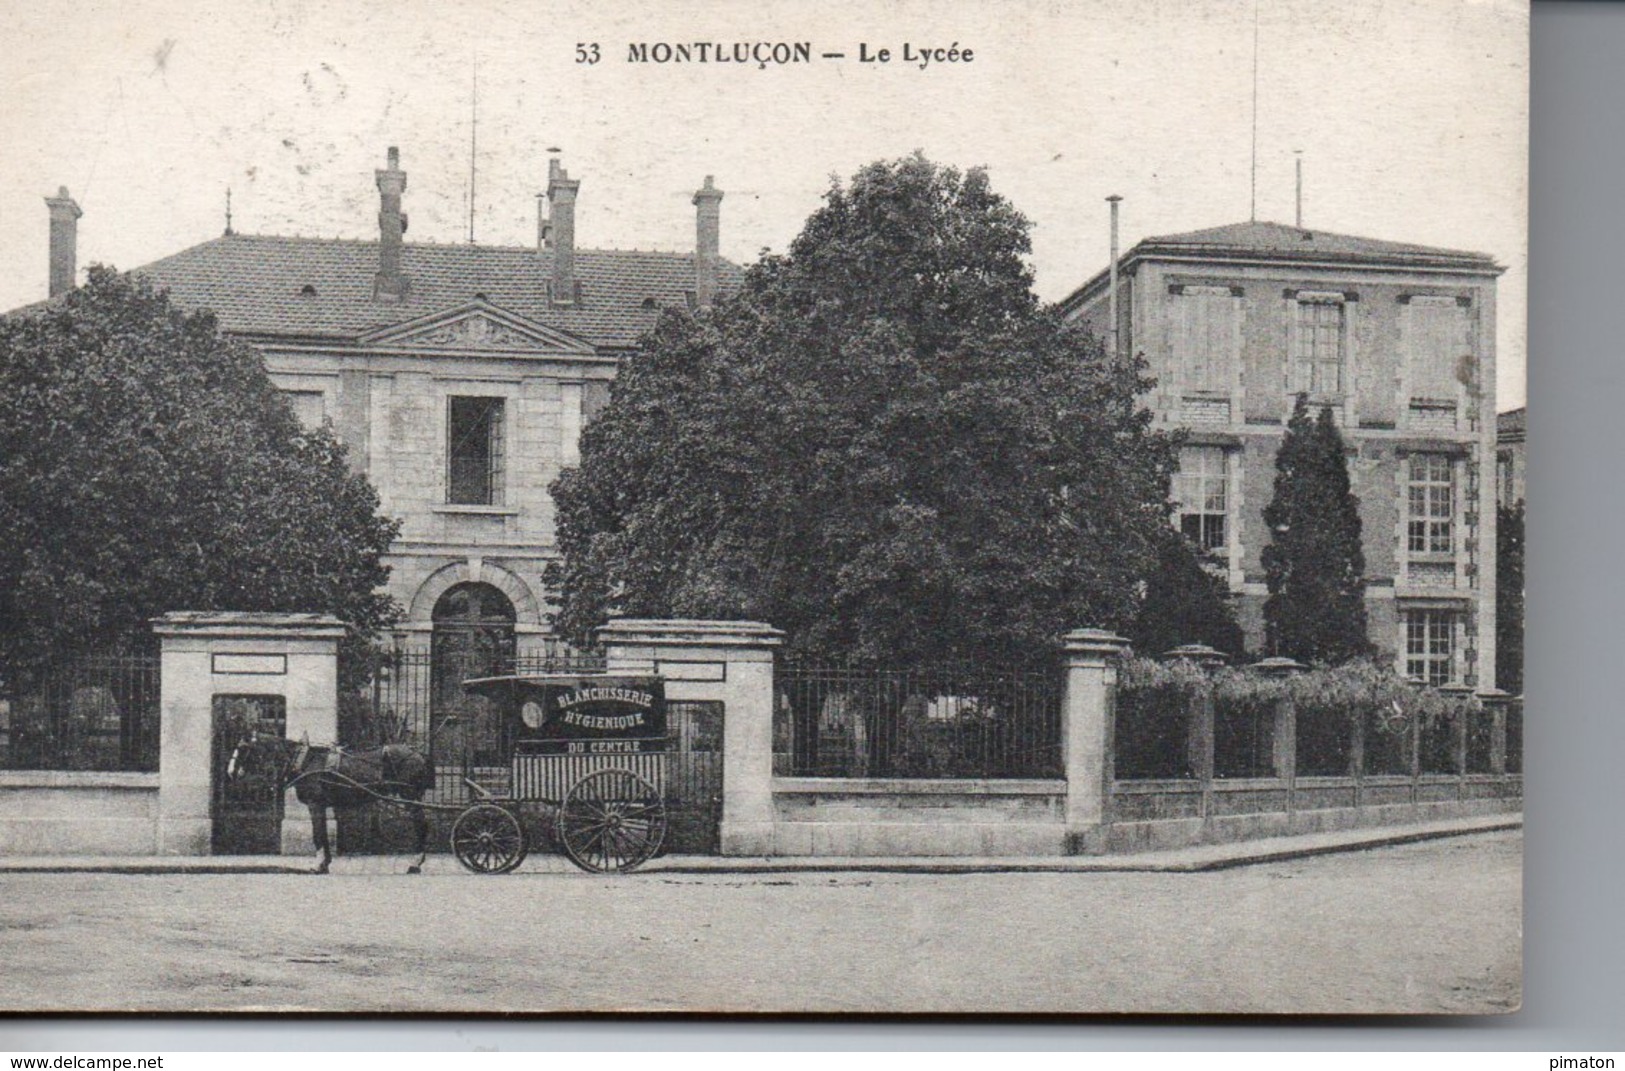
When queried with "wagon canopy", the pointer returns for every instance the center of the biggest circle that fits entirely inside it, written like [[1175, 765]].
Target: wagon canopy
[[566, 709]]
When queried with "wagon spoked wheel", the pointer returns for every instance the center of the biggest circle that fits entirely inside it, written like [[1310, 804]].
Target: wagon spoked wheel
[[488, 839], [611, 821]]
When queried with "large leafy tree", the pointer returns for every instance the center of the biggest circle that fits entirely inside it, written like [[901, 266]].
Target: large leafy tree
[[1313, 565], [148, 464], [882, 444]]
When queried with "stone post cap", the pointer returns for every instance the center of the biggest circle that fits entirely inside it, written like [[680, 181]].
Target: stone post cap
[[1494, 695], [238, 623], [1200, 653], [688, 632], [1278, 665], [1093, 641]]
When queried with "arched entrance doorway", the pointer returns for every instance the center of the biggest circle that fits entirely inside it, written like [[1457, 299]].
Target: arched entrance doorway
[[473, 637]]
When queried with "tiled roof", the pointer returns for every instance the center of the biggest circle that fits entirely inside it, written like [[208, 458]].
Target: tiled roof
[[256, 284], [1277, 241], [1282, 240]]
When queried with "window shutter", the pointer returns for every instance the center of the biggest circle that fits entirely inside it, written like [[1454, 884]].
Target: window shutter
[[1438, 339], [498, 427], [1203, 342]]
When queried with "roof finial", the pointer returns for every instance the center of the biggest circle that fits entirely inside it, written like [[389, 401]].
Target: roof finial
[[228, 212]]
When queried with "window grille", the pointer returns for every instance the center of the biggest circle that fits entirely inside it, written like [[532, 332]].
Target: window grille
[[475, 454]]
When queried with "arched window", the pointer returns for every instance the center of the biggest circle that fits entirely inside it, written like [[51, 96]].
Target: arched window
[[473, 637]]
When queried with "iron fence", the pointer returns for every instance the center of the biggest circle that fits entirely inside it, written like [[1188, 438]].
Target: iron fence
[[1480, 752], [97, 713], [1386, 742], [1243, 737], [1153, 739], [1157, 734], [941, 722], [1325, 741], [1514, 736], [1436, 740]]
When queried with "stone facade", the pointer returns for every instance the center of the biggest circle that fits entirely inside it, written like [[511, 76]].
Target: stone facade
[[388, 399], [1399, 341], [459, 377]]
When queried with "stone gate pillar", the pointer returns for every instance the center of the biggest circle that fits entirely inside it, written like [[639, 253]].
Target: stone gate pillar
[[730, 662], [203, 655], [1087, 711]]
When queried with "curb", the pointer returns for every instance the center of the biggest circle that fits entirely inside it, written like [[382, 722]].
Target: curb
[[124, 866], [1096, 864], [1386, 841], [1211, 857]]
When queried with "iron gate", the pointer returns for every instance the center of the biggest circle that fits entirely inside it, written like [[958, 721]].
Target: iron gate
[[245, 812], [694, 779]]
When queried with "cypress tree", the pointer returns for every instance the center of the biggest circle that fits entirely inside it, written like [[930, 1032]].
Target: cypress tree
[[1313, 564], [1509, 543]]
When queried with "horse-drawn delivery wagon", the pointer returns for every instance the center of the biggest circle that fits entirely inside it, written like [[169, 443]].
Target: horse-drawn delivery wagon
[[589, 752], [591, 748]]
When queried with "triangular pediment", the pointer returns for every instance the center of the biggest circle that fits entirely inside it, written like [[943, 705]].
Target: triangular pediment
[[481, 326]]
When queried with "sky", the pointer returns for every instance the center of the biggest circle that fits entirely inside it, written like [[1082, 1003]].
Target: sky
[[1411, 117]]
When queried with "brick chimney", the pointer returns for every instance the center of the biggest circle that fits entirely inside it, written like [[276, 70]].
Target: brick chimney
[[391, 283], [65, 215], [707, 239], [560, 235]]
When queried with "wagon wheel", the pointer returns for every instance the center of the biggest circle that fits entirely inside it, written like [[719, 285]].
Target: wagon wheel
[[488, 839], [611, 821]]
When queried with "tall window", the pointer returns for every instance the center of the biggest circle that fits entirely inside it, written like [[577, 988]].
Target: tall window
[[1432, 504], [1317, 365], [475, 455], [1430, 646], [1199, 488]]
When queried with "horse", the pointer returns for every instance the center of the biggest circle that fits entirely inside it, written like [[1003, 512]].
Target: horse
[[323, 776]]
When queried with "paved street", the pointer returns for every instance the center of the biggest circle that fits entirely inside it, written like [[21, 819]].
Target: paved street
[[1429, 927]]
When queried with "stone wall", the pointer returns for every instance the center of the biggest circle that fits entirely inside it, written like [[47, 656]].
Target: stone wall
[[78, 813]]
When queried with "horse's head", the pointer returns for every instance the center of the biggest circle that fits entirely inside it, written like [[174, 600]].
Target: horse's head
[[256, 755]]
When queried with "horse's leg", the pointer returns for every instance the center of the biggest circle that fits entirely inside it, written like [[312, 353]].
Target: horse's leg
[[420, 826], [318, 831]]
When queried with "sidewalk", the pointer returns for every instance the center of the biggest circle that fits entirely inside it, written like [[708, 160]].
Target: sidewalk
[[1181, 861]]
